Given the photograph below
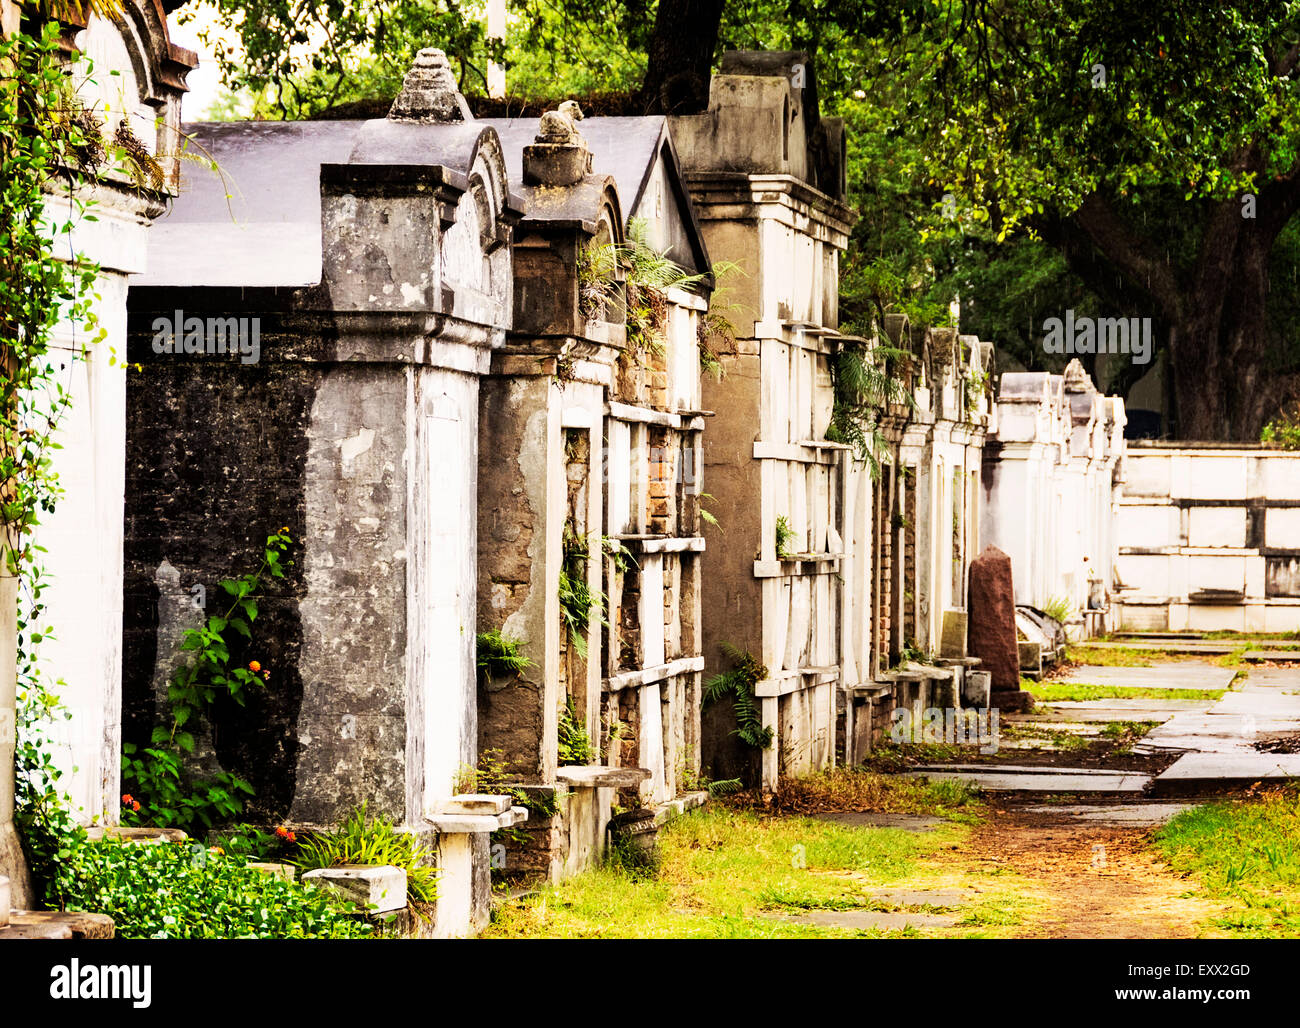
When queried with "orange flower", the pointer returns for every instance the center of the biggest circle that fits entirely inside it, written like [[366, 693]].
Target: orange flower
[[136, 806], [254, 666], [291, 837], [281, 831], [126, 799]]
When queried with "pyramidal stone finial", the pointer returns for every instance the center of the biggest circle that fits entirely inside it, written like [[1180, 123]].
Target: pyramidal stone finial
[[429, 94], [1076, 378]]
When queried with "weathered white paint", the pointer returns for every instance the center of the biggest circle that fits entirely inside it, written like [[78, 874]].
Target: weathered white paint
[[1208, 538]]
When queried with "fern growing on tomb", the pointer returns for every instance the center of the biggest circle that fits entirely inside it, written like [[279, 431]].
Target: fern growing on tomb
[[499, 656], [739, 683]]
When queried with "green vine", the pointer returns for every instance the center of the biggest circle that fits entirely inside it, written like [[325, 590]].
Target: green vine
[[44, 148], [864, 384], [159, 789], [739, 682]]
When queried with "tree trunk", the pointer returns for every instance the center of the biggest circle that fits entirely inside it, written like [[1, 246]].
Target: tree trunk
[[681, 56], [1219, 343], [1216, 315]]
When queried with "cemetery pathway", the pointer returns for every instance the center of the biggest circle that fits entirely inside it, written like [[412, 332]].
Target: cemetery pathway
[[1092, 872], [1079, 836]]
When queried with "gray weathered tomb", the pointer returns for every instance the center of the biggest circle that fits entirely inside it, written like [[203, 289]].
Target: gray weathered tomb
[[372, 262], [589, 470]]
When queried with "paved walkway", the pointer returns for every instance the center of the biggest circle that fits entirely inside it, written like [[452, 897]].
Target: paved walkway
[[1247, 736]]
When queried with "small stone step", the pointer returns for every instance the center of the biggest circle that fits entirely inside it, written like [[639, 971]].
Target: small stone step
[[78, 924], [381, 887]]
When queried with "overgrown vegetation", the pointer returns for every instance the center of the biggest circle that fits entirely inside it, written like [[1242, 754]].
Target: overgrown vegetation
[[1059, 608], [731, 873], [493, 777], [739, 683], [1284, 430], [363, 839], [162, 786], [571, 736], [865, 379], [645, 275], [178, 891], [580, 604], [1246, 851], [784, 536], [1062, 692], [499, 656]]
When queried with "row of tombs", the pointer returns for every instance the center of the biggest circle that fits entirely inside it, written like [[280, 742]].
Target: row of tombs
[[542, 482]]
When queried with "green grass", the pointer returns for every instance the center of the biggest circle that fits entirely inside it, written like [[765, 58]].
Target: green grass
[[728, 872], [1060, 692], [1250, 636], [1104, 656], [1247, 852]]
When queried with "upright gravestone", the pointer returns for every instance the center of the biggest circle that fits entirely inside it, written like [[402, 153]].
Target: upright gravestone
[[992, 627]]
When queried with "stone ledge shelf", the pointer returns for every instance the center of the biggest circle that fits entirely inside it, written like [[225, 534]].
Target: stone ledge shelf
[[679, 805], [783, 683], [799, 453], [666, 419], [463, 823], [798, 565], [651, 675], [598, 776], [450, 822], [662, 543], [957, 661], [143, 835]]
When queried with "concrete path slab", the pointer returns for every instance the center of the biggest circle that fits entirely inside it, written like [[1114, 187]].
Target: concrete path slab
[[1253, 655], [1056, 780], [1194, 772], [1273, 678], [1020, 769], [866, 819], [1185, 675], [1117, 813], [921, 897], [1120, 710], [861, 920], [1260, 703], [1215, 733]]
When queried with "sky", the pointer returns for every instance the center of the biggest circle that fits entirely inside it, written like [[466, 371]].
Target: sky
[[204, 81]]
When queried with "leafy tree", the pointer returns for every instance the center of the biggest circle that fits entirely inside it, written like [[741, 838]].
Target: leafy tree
[[1100, 154]]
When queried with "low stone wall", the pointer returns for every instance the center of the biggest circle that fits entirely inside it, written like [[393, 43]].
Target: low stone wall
[[1209, 538]]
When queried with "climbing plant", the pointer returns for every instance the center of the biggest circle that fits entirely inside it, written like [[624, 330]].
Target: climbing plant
[[865, 381], [47, 149], [160, 789]]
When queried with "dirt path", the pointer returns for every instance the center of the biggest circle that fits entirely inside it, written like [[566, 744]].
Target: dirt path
[[1098, 879]]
